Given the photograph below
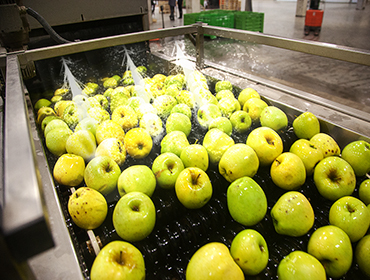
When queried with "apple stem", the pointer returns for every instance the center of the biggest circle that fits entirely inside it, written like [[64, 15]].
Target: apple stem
[[120, 258]]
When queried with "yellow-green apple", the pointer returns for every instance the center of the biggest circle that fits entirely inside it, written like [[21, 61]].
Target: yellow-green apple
[[42, 102], [213, 261], [134, 216], [109, 129], [246, 201], [89, 124], [292, 214], [99, 114], [47, 120], [118, 98], [246, 94], [357, 154], [254, 107], [55, 123], [138, 143], [135, 101], [288, 171], [100, 101], [178, 121], [102, 174], [206, 113], [186, 97], [238, 161], [225, 93], [216, 143], [88, 208], [56, 140], [351, 215], [249, 250], [72, 114], [56, 99], [113, 148], [228, 106], [118, 259], [145, 109], [183, 109], [223, 85], [152, 123], [166, 168], [266, 143], [69, 170], [241, 121], [137, 178], [195, 155], [306, 125], [364, 191], [110, 82], [223, 124], [300, 265], [334, 178], [60, 106], [274, 118], [362, 254], [333, 248], [82, 143], [326, 143], [44, 112], [193, 188], [174, 142], [125, 116], [164, 104], [308, 153]]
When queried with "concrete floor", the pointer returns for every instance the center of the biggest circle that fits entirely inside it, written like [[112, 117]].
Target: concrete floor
[[342, 82]]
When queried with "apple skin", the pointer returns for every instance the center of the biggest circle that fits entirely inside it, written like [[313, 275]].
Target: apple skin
[[56, 123], [56, 140], [102, 174], [288, 171], [178, 121], [333, 248], [195, 155], [241, 121], [88, 208], [274, 118], [82, 143], [246, 201], [364, 191], [69, 170], [109, 129], [362, 254], [118, 259], [334, 178], [292, 214], [125, 116], [351, 215], [114, 148], [306, 125], [213, 261], [216, 143], [152, 123], [326, 143], [246, 94], [266, 143], [228, 106], [250, 251], [174, 142], [164, 104], [193, 188], [138, 143], [206, 113], [254, 107], [357, 154], [137, 178], [223, 124], [223, 85], [166, 168], [300, 265], [134, 216], [238, 161], [183, 109]]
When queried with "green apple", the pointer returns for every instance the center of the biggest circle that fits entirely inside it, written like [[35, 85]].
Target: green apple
[[138, 143], [178, 121], [183, 109], [246, 94], [292, 214], [334, 178], [60, 106], [55, 123], [166, 168], [56, 140], [246, 201], [82, 143], [47, 120], [213, 261], [110, 83], [362, 255], [145, 109], [228, 106], [351, 215], [102, 174], [249, 250], [44, 112], [333, 248], [225, 93], [193, 188], [73, 114], [174, 142], [195, 155], [109, 129], [254, 107], [134, 216], [223, 124], [125, 116], [238, 161], [357, 154], [266, 143], [216, 143], [288, 171], [223, 85], [274, 118], [87, 124], [186, 97], [98, 114], [113, 148], [118, 259], [326, 143], [241, 121], [306, 125], [364, 191], [137, 178], [118, 98], [69, 170], [42, 102], [88, 208], [152, 123], [164, 104], [100, 101], [135, 101], [206, 113], [308, 153], [300, 265]]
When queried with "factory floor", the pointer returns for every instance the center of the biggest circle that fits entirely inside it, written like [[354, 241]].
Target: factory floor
[[343, 24]]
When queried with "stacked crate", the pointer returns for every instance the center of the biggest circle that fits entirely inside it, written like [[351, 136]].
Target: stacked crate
[[233, 5], [166, 7]]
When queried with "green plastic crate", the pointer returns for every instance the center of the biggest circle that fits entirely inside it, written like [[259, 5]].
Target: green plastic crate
[[250, 21]]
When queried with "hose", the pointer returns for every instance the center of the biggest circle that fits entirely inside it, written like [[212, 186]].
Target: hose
[[55, 36]]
